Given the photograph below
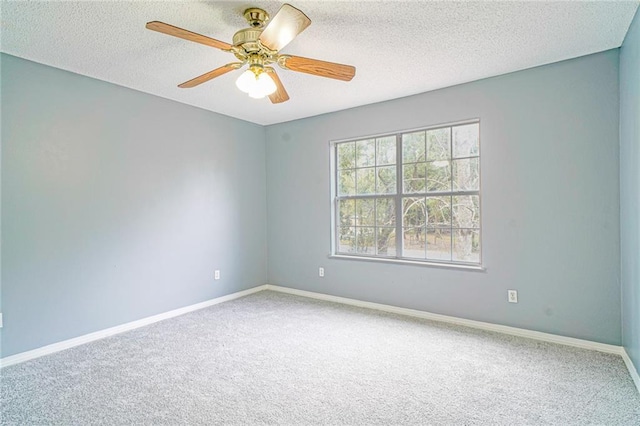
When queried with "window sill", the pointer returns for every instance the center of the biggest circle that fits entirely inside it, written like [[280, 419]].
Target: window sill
[[475, 268]]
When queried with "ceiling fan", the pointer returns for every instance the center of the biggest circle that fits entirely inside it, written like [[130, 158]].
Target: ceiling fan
[[259, 46]]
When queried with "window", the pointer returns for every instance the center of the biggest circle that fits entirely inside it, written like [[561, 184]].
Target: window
[[409, 196]]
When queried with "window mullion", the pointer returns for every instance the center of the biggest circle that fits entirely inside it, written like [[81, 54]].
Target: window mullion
[[398, 197], [451, 196]]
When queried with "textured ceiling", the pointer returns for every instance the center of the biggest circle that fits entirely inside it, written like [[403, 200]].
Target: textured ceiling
[[399, 48]]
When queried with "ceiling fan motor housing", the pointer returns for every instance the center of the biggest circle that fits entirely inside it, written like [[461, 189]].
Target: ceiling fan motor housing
[[247, 38], [247, 41]]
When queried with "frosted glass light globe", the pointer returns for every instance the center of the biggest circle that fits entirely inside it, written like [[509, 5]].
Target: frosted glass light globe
[[257, 86], [246, 81]]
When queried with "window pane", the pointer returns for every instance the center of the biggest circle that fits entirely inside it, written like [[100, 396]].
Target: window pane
[[439, 244], [365, 243], [347, 239], [466, 211], [385, 212], [386, 241], [413, 243], [366, 181], [438, 144], [413, 212], [414, 177], [366, 153], [365, 212], [465, 140], [466, 174], [386, 150], [346, 155], [438, 176], [439, 212], [413, 147], [386, 183], [347, 212], [466, 245], [347, 182]]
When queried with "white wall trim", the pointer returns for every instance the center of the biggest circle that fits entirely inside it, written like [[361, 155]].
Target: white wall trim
[[536, 335], [631, 368], [91, 337]]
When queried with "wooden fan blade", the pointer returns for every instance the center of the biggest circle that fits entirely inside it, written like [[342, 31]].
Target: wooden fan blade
[[317, 67], [280, 95], [161, 27], [210, 75], [284, 27]]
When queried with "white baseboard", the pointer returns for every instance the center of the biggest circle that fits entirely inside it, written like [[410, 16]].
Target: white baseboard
[[536, 335], [631, 368], [80, 340]]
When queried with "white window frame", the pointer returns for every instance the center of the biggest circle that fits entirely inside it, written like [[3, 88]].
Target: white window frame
[[398, 196]]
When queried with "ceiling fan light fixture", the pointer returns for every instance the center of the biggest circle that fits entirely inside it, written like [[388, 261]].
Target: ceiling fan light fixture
[[256, 83]]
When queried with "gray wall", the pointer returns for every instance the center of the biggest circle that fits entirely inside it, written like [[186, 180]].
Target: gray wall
[[117, 205], [550, 202], [630, 189]]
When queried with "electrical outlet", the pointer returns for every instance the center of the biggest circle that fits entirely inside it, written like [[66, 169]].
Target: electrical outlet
[[512, 296], [321, 271], [216, 274]]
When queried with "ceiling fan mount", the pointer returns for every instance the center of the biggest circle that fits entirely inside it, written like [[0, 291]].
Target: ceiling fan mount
[[256, 17], [259, 46]]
